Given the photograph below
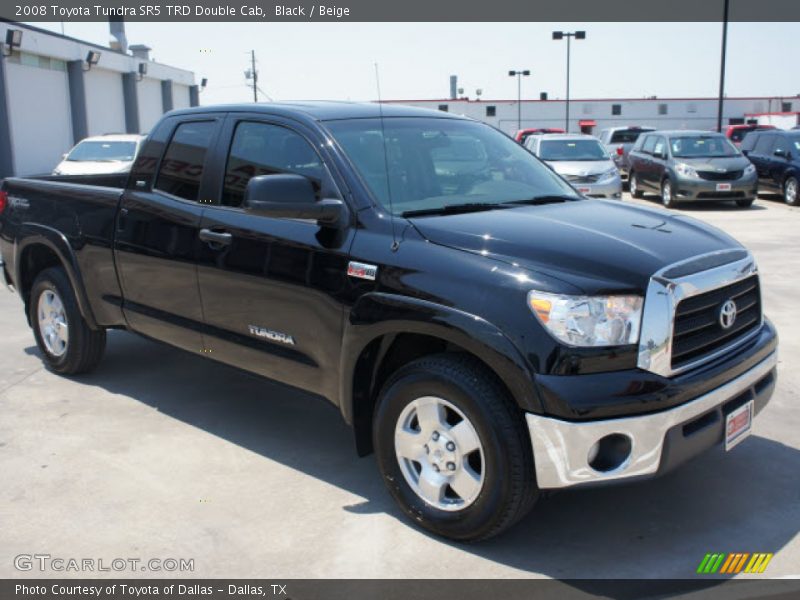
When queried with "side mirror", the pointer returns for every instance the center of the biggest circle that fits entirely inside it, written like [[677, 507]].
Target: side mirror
[[291, 196]]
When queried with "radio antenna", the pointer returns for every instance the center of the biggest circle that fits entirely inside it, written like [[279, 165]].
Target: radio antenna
[[395, 245]]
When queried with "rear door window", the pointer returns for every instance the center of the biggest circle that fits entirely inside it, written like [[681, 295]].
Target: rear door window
[[749, 141], [764, 144], [649, 144], [181, 169]]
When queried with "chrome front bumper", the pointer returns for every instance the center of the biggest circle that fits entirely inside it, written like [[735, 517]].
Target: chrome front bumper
[[561, 448]]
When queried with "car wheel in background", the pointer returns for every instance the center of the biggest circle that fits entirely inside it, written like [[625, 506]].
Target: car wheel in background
[[668, 194], [745, 202], [453, 448], [790, 190], [65, 339], [633, 186]]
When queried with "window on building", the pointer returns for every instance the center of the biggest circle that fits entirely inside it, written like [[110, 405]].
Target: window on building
[[443, 107], [662, 109], [491, 111], [616, 109], [691, 107], [182, 167], [786, 107], [265, 149]]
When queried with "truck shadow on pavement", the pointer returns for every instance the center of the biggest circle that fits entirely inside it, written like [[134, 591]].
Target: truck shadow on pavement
[[748, 501]]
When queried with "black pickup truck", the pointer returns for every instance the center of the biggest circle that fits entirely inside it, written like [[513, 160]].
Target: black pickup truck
[[489, 333]]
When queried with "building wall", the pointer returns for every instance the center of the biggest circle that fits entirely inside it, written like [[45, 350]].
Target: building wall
[[40, 123], [150, 103], [180, 96], [105, 105], [668, 113]]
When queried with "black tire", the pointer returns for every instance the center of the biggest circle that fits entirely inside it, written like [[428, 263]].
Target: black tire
[[791, 199], [634, 187], [509, 486], [668, 194], [745, 202], [84, 346]]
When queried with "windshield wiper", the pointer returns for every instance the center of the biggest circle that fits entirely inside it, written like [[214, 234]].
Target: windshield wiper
[[452, 209], [543, 199]]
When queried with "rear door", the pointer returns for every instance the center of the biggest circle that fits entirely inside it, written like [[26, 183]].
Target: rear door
[[156, 243], [272, 293]]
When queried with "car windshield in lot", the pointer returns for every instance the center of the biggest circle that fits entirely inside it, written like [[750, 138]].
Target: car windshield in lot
[[625, 136], [103, 151], [702, 146], [556, 150], [418, 165]]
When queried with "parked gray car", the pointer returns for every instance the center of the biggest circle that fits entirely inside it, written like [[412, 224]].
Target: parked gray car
[[619, 141], [691, 166], [580, 159]]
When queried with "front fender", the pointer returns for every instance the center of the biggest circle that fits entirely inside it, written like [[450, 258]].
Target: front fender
[[32, 234], [378, 314]]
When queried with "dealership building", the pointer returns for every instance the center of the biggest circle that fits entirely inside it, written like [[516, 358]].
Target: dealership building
[[593, 115], [56, 90]]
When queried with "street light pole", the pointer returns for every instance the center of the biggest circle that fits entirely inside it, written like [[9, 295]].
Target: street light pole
[[519, 74], [722, 65], [560, 35]]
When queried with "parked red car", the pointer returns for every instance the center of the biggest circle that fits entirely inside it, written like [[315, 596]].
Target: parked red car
[[523, 134], [736, 133]]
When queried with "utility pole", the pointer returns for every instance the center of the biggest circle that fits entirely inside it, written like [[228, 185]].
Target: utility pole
[[255, 74], [519, 74], [722, 65]]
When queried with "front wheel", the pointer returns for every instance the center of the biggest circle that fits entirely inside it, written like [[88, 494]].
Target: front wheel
[[790, 191], [453, 448], [745, 202], [68, 344], [667, 194]]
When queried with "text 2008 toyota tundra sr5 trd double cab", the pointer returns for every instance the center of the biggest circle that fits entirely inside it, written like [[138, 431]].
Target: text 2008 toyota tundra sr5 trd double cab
[[485, 330]]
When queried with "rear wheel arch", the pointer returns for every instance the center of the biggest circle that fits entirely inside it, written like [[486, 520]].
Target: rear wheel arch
[[39, 252]]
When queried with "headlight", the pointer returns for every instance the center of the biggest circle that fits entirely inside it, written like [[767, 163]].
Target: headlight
[[685, 170], [610, 174], [749, 169], [588, 320]]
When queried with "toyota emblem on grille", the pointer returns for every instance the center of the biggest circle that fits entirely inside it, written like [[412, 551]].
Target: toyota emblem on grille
[[727, 314]]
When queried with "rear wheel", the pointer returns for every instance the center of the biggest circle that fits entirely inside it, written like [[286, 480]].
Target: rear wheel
[[790, 189], [68, 344], [453, 448], [633, 186], [667, 194]]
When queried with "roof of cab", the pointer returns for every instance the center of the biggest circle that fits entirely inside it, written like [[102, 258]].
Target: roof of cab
[[323, 110]]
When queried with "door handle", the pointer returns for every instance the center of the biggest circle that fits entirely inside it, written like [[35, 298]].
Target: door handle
[[221, 238]]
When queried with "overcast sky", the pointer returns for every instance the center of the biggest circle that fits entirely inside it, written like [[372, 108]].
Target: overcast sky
[[335, 60]]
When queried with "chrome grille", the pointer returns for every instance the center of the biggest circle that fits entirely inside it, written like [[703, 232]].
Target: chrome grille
[[582, 178], [697, 330]]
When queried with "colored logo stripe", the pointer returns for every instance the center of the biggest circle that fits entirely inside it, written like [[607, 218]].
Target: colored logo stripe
[[733, 562]]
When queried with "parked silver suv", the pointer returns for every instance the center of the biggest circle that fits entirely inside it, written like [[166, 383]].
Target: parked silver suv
[[580, 159]]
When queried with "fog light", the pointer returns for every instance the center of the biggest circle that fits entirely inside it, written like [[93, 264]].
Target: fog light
[[609, 452]]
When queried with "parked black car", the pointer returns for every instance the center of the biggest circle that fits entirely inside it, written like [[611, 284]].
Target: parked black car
[[487, 332], [776, 157], [691, 166]]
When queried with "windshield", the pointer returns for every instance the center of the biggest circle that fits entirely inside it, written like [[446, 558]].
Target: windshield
[[702, 146], [626, 136], [572, 150], [103, 151], [434, 162]]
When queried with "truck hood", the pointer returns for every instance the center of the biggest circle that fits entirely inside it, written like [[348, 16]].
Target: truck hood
[[594, 245]]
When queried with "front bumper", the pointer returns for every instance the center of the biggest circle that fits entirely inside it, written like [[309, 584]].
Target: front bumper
[[608, 189], [656, 442], [701, 190]]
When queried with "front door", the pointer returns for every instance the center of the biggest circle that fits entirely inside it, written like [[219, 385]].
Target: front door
[[157, 226], [272, 289]]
